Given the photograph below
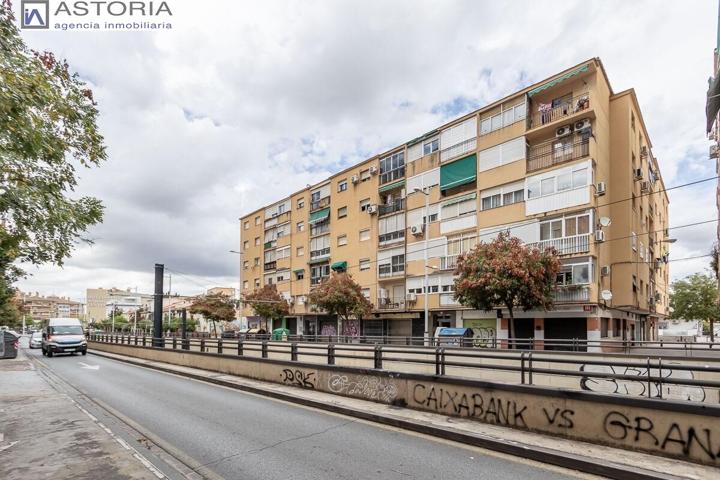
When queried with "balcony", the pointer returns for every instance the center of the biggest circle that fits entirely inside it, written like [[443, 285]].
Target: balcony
[[565, 245], [448, 262], [270, 244], [388, 271], [391, 303], [396, 206], [392, 175], [545, 113], [270, 265], [448, 300], [572, 293], [318, 204], [557, 151], [319, 254], [462, 148], [392, 237]]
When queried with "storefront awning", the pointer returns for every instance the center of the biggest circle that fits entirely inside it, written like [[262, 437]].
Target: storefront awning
[[461, 198], [459, 172], [339, 266], [391, 186], [320, 215], [558, 80], [713, 102]]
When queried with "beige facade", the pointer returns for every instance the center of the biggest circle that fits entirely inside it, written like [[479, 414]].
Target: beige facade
[[100, 301], [41, 308], [565, 163]]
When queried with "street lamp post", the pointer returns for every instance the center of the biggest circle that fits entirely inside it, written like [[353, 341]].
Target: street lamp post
[[239, 297], [426, 233]]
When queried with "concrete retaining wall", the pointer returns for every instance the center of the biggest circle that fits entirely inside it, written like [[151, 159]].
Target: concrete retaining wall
[[688, 431]]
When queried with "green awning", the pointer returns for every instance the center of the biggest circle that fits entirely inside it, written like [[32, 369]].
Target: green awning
[[559, 79], [391, 186], [339, 266], [458, 172], [461, 198], [299, 270], [320, 215], [323, 259]]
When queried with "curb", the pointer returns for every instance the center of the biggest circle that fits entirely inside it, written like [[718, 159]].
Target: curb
[[531, 452]]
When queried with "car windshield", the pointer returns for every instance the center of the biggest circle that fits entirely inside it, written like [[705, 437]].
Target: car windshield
[[36, 335], [66, 330]]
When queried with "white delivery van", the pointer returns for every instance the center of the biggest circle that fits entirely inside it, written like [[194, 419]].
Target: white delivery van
[[63, 335]]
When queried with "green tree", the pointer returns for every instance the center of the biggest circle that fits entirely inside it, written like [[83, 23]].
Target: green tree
[[506, 273], [267, 303], [696, 298], [48, 128], [215, 308], [342, 296]]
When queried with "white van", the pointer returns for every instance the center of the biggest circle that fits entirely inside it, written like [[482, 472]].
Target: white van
[[63, 335]]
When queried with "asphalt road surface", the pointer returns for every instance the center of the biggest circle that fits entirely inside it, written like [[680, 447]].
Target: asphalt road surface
[[237, 435]]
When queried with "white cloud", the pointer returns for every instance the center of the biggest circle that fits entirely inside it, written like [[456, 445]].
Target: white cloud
[[203, 123]]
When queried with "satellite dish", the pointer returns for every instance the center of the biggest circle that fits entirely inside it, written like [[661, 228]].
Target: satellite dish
[[605, 221], [606, 295]]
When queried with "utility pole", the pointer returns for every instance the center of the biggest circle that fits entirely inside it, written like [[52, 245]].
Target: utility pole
[[157, 306]]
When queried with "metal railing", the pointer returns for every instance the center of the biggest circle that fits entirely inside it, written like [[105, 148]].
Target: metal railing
[[572, 293], [556, 151], [448, 262], [388, 303], [318, 204], [565, 245], [550, 114], [393, 207], [653, 377]]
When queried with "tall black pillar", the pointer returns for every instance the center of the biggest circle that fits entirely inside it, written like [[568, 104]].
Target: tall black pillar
[[158, 340]]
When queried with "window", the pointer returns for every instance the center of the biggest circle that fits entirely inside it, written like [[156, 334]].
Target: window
[[257, 220], [431, 146], [575, 273], [246, 225], [281, 209], [632, 120], [507, 116], [319, 228], [392, 167], [461, 243], [299, 251], [563, 180], [364, 204], [342, 186], [342, 240], [257, 282], [282, 253], [365, 175], [565, 227], [366, 292], [616, 327], [493, 201], [501, 196], [392, 228], [300, 203], [246, 265], [364, 235], [342, 212], [320, 246], [318, 273], [604, 327], [300, 226], [246, 285], [257, 240], [460, 207], [364, 264], [257, 261], [633, 240], [503, 154], [395, 265], [300, 274], [246, 244]]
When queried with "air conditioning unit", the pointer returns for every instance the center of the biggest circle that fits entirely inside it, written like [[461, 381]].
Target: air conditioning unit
[[600, 189], [645, 186], [354, 179], [372, 209], [599, 236], [417, 229], [373, 170], [714, 149], [563, 131], [411, 297], [605, 270], [638, 174], [583, 125]]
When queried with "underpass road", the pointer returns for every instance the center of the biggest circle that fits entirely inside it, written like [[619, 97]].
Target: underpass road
[[243, 436]]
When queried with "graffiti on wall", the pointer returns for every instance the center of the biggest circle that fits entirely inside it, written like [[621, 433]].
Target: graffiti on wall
[[640, 387], [370, 388], [328, 328], [484, 331], [351, 328], [298, 378]]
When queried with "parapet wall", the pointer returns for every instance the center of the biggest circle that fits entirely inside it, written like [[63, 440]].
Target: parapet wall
[[685, 430]]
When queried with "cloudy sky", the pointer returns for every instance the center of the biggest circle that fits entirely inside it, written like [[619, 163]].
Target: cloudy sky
[[244, 102]]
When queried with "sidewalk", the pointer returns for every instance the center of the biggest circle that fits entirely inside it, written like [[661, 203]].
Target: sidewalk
[[590, 458], [43, 434]]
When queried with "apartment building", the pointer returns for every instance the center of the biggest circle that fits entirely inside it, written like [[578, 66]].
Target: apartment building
[[102, 301], [40, 307], [564, 163]]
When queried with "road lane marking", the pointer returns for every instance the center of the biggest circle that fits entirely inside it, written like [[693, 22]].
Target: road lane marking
[[89, 367]]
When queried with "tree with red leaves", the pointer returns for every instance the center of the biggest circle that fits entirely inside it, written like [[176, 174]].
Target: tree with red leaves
[[342, 296], [506, 273], [267, 303]]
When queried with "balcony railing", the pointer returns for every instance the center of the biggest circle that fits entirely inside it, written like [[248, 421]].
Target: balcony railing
[[545, 113], [318, 204], [315, 254], [393, 207], [573, 293], [270, 265], [390, 303], [448, 262], [565, 245], [456, 150], [557, 151]]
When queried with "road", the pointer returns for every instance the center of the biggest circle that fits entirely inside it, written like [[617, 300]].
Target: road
[[237, 435]]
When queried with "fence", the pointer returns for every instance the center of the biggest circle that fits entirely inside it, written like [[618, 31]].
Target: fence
[[652, 377]]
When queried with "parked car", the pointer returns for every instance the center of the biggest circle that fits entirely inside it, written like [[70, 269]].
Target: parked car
[[36, 340], [63, 335], [228, 334]]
